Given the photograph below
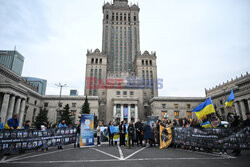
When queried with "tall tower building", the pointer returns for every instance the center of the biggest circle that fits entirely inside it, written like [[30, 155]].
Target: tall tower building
[[121, 35], [110, 72]]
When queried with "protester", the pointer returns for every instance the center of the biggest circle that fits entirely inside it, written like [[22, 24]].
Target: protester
[[27, 124], [139, 132], [78, 130], [111, 135], [154, 138], [247, 121], [62, 124], [234, 123], [1, 124], [12, 123], [148, 135], [122, 129], [98, 133], [131, 131]]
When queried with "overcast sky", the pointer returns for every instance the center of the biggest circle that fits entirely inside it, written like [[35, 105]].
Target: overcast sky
[[199, 43]]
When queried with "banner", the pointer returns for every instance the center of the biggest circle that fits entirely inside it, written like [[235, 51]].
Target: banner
[[215, 138], [87, 130], [104, 134], [21, 139], [165, 137]]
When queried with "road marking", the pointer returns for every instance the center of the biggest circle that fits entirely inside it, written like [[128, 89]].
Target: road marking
[[10, 159], [213, 154], [4, 158], [16, 159], [135, 153], [106, 153], [108, 160], [120, 152]]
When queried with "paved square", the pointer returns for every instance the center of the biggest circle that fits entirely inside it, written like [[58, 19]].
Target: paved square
[[122, 156]]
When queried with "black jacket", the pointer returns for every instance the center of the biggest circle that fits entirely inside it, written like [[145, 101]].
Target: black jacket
[[131, 130], [122, 128]]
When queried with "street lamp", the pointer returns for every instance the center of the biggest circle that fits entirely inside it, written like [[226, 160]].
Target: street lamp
[[59, 103]]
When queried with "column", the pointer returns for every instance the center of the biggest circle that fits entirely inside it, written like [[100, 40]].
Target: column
[[129, 113], [11, 107], [122, 118], [248, 101], [114, 112], [23, 103], [6, 99], [237, 109], [17, 106], [243, 110], [136, 113]]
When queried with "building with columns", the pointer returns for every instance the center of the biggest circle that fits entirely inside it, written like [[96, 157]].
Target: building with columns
[[219, 94], [120, 63]]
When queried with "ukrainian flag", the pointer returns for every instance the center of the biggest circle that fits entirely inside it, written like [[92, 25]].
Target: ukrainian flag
[[206, 125], [204, 108], [230, 99]]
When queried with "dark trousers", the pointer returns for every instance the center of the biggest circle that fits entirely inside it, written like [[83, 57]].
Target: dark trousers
[[111, 139], [139, 138], [98, 140], [122, 139], [130, 139]]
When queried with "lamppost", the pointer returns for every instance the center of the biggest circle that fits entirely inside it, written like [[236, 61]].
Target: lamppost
[[59, 103]]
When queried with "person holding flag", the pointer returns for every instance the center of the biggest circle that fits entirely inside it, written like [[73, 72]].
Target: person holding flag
[[230, 99], [204, 109]]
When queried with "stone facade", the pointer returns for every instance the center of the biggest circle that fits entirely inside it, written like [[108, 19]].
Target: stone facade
[[17, 96], [220, 93], [174, 107], [118, 64]]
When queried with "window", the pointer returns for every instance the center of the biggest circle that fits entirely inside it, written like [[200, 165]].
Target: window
[[100, 61], [163, 105], [107, 16], [96, 61], [146, 62], [46, 104], [118, 93], [188, 106], [28, 99], [92, 61], [134, 18], [221, 102], [142, 62], [125, 93], [35, 102], [176, 106], [176, 114], [73, 104], [150, 62], [131, 93]]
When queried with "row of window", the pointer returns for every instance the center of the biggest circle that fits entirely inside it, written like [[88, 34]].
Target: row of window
[[122, 17], [46, 104], [96, 61], [146, 62], [177, 114], [176, 106], [131, 93]]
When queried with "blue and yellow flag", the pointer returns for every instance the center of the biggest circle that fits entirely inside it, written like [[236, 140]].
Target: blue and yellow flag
[[230, 99], [204, 108], [206, 125]]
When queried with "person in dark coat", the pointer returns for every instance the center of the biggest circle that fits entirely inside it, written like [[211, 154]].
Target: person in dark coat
[[139, 132], [27, 124], [246, 123], [147, 134], [131, 131], [122, 129], [111, 135]]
